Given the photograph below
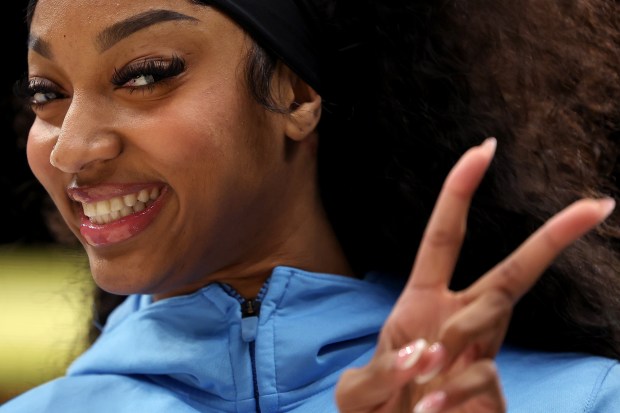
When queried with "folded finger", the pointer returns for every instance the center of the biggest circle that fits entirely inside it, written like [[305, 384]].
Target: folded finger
[[377, 384], [481, 325], [478, 386], [369, 387]]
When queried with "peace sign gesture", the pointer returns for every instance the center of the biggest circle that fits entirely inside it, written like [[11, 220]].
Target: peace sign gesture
[[436, 350]]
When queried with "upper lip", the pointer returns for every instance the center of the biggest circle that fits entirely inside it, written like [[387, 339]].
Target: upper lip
[[88, 194]]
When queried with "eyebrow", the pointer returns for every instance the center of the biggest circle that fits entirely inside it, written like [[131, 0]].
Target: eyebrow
[[118, 31], [40, 46]]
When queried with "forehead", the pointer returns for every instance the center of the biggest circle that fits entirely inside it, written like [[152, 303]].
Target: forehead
[[70, 17]]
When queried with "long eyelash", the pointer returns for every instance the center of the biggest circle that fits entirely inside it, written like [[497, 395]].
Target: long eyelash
[[159, 69], [24, 89], [21, 88]]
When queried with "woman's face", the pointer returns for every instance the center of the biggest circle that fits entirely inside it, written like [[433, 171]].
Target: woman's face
[[148, 142]]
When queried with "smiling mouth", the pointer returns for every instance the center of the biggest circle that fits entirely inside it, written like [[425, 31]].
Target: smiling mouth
[[111, 210]]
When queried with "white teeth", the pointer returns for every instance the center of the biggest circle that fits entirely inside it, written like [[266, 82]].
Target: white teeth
[[103, 208], [109, 210], [154, 194], [130, 200], [90, 210], [144, 195], [116, 204]]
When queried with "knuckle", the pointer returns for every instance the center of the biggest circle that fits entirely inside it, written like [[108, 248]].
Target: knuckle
[[553, 243], [489, 382], [342, 388], [500, 301], [445, 238], [510, 272], [511, 269], [457, 330], [379, 370], [487, 371], [348, 377], [349, 383]]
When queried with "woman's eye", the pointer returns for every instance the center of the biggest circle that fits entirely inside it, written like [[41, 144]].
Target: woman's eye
[[147, 73], [41, 98], [37, 92], [141, 80]]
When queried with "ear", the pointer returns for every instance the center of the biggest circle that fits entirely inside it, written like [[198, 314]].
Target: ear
[[304, 105]]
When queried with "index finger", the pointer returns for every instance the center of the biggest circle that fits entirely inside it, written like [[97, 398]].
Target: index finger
[[516, 274], [442, 240]]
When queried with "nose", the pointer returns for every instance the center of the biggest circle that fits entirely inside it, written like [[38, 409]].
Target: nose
[[85, 139]]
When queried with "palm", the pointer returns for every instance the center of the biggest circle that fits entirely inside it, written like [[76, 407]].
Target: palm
[[420, 312]]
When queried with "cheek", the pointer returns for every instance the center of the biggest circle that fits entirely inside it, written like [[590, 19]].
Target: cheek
[[41, 140], [205, 138]]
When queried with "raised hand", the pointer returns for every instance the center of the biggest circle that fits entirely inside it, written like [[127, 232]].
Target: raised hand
[[436, 350]]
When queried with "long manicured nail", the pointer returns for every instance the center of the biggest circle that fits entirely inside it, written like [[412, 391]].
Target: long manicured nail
[[436, 353], [489, 144], [432, 403], [408, 356], [607, 205]]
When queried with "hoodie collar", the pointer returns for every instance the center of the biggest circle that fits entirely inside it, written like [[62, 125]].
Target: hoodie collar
[[310, 327]]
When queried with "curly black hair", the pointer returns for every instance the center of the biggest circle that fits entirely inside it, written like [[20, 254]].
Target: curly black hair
[[426, 80]]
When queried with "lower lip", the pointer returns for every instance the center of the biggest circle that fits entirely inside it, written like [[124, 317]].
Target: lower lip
[[125, 228]]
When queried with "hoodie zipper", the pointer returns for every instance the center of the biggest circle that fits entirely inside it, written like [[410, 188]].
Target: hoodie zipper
[[250, 311]]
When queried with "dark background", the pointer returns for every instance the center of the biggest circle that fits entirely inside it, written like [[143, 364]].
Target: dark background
[[23, 199]]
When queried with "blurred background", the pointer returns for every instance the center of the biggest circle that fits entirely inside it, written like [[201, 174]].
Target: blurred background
[[45, 285]]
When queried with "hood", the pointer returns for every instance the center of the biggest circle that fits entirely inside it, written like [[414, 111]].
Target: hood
[[310, 327]]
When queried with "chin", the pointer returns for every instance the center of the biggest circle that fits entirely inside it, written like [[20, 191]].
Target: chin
[[122, 279]]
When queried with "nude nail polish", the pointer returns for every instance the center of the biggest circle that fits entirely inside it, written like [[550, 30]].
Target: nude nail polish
[[490, 144], [607, 205], [436, 352], [432, 403], [408, 356]]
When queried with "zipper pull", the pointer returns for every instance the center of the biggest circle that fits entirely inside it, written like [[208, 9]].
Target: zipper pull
[[250, 310]]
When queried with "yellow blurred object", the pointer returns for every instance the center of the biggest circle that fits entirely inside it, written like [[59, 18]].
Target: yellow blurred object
[[45, 302]]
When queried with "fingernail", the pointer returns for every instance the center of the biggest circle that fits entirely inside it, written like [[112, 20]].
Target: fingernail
[[489, 144], [436, 353], [408, 356], [431, 403], [607, 205]]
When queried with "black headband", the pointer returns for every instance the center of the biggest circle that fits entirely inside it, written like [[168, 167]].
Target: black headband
[[287, 28]]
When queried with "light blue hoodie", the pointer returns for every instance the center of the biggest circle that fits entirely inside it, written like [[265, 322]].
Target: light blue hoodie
[[199, 353]]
